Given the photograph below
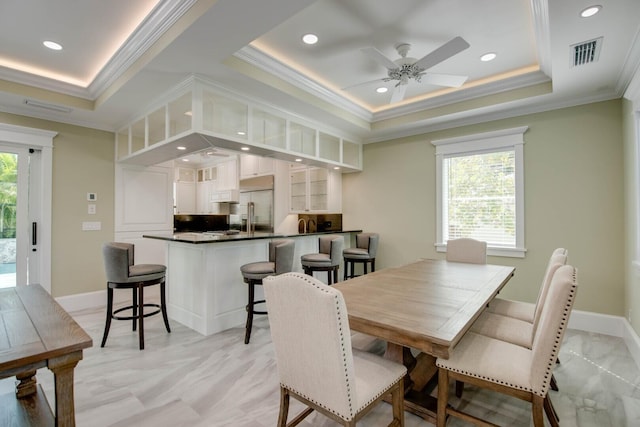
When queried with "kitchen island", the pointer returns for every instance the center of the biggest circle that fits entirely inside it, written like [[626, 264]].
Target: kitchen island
[[205, 289]]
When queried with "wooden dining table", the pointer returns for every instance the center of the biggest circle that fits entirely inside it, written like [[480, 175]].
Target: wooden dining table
[[424, 308], [35, 332]]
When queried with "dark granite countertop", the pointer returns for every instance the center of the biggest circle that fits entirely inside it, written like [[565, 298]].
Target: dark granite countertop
[[208, 237]]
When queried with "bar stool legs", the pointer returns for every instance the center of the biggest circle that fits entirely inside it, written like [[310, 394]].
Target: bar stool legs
[[351, 264], [250, 308]]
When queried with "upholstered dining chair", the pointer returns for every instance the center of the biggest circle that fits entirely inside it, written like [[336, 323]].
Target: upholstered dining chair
[[123, 273], [515, 330], [326, 259], [467, 250], [508, 368], [512, 329], [524, 310], [280, 261], [364, 253], [316, 364]]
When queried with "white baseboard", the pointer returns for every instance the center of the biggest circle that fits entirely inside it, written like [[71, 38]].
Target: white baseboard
[[606, 324]]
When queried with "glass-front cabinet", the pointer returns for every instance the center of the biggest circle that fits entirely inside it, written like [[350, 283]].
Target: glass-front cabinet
[[309, 189], [198, 115]]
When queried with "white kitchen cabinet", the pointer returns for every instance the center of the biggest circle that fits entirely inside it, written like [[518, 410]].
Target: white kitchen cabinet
[[251, 166], [185, 197], [184, 190], [314, 189], [227, 175]]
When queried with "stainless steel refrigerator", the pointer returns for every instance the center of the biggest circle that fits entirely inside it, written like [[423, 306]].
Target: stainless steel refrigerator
[[255, 209]]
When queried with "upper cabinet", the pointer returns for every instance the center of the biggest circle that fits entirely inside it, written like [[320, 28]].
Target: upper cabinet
[[198, 115], [252, 166], [314, 189]]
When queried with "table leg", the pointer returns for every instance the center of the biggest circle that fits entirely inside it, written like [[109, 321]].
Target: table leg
[[62, 368], [421, 371], [27, 384]]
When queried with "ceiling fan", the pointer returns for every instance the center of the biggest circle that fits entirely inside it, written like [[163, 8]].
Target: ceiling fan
[[405, 69]]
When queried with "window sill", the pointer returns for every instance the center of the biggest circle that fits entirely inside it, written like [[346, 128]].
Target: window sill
[[493, 251]]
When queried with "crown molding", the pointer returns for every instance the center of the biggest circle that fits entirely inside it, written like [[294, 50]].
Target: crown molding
[[491, 113], [161, 19], [271, 65], [512, 83], [540, 11]]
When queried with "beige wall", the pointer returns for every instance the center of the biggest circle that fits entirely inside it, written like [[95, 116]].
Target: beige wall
[[82, 163], [632, 279], [574, 198]]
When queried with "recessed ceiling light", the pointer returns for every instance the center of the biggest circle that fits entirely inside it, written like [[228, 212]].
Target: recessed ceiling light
[[381, 89], [244, 148], [488, 57], [310, 39], [590, 11], [241, 132], [188, 113], [52, 45], [298, 160], [336, 167], [181, 148], [185, 160]]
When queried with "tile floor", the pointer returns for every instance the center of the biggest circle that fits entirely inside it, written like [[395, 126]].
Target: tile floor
[[185, 379]]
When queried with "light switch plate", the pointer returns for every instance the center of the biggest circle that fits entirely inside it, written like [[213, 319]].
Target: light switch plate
[[91, 226], [91, 209]]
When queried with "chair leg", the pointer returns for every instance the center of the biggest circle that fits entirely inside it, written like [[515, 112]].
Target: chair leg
[[134, 308], [364, 267], [249, 308], [459, 388], [284, 407], [552, 415], [536, 410], [107, 323], [329, 276], [553, 384], [141, 315], [443, 397], [163, 306], [397, 400], [373, 265], [346, 269]]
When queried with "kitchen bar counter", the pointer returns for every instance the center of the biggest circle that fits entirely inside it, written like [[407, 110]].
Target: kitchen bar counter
[[205, 289], [221, 237]]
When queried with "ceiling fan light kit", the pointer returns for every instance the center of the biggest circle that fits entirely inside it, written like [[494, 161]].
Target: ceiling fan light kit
[[405, 69]]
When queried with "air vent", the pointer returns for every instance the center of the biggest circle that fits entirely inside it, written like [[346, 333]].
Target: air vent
[[586, 52]]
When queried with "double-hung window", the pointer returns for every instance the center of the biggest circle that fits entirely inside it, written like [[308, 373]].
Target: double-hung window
[[480, 190]]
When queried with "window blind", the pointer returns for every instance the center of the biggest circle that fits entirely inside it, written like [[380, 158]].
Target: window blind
[[480, 197]]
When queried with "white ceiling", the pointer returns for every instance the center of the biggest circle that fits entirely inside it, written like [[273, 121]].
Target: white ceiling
[[120, 55]]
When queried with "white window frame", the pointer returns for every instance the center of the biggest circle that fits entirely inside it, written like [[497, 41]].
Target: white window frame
[[505, 139]]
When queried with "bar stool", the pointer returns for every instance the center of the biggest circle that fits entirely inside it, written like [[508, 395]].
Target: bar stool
[[364, 252], [280, 261], [328, 259], [122, 273]]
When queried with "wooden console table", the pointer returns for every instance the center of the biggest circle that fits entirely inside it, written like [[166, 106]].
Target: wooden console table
[[35, 332]]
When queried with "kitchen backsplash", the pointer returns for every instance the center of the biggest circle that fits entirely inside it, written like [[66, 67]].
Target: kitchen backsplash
[[183, 223], [320, 222]]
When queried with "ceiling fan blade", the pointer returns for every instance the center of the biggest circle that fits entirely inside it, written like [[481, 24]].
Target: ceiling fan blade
[[377, 56], [362, 84], [449, 80], [398, 93], [446, 51]]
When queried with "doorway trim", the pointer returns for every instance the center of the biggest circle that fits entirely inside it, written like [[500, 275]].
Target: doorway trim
[[42, 140]]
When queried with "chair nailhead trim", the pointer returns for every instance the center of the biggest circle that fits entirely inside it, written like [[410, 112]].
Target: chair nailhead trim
[[542, 392]]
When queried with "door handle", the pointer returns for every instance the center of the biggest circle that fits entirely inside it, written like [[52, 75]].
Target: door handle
[[34, 233]]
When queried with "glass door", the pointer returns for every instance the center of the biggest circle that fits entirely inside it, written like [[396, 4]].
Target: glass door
[[19, 263]]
